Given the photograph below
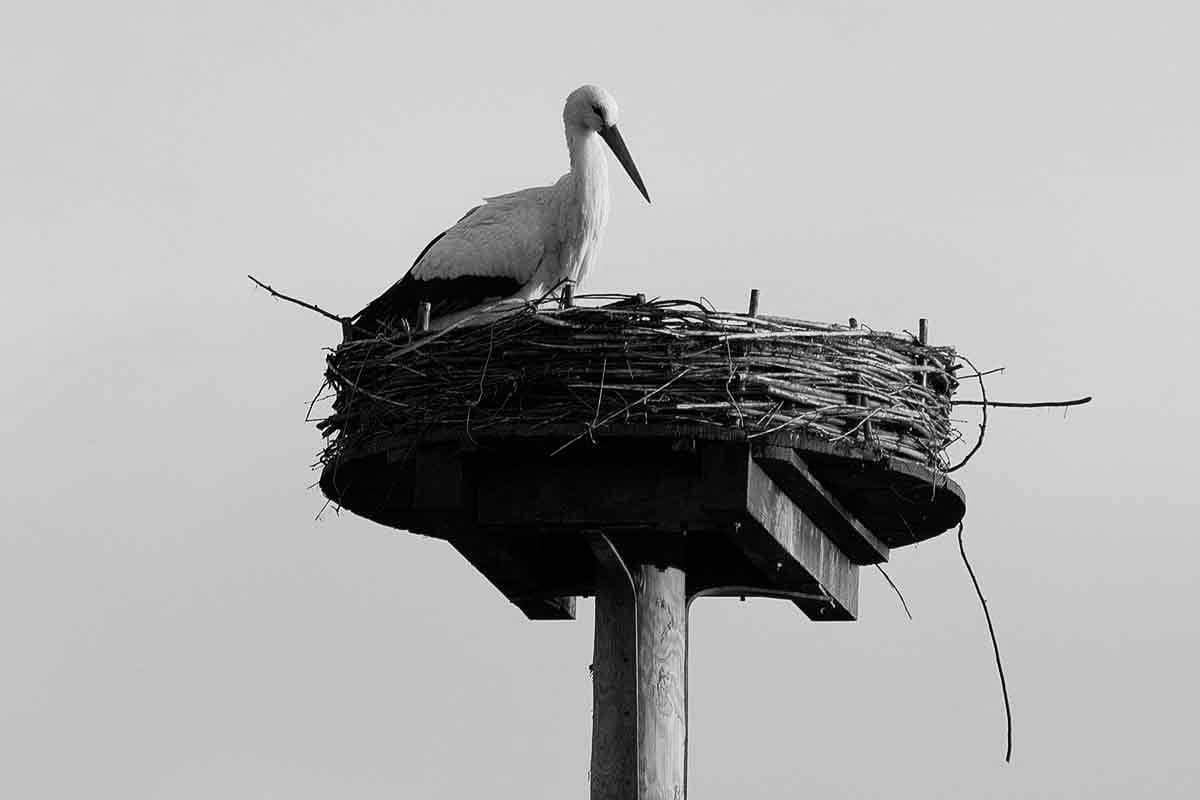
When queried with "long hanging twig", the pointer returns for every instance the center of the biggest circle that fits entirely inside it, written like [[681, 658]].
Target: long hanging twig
[[895, 589], [995, 647]]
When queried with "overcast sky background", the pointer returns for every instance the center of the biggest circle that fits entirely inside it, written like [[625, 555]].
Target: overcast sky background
[[177, 625]]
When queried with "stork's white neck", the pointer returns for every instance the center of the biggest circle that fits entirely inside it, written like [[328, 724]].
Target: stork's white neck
[[586, 210], [587, 153], [589, 172]]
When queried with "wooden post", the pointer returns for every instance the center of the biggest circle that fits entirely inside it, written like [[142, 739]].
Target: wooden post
[[753, 303], [568, 295], [639, 716], [423, 315], [853, 398]]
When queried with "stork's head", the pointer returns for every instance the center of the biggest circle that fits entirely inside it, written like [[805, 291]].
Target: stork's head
[[590, 109]]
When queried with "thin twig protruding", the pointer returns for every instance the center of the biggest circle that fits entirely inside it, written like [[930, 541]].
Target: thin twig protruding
[[982, 423], [999, 404], [281, 296]]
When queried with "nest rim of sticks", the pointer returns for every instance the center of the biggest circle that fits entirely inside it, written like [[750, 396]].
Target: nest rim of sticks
[[591, 361]]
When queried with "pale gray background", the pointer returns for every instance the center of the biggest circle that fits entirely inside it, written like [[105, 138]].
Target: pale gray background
[[175, 623]]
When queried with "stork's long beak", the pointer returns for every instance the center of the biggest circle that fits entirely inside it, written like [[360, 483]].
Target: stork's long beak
[[612, 137]]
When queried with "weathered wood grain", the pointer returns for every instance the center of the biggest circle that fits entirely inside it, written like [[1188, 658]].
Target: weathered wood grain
[[662, 701], [639, 724]]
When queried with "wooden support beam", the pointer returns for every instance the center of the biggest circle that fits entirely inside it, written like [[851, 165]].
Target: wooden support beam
[[854, 539], [788, 545], [639, 717]]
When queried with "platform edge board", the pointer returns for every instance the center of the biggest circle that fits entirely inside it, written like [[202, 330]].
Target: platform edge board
[[850, 471]]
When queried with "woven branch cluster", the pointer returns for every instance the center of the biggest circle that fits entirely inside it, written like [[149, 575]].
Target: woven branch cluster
[[664, 361]]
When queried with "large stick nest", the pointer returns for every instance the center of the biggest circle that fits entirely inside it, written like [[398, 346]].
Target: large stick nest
[[664, 361]]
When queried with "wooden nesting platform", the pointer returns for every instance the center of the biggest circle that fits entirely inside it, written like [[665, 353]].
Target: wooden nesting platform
[[782, 514]]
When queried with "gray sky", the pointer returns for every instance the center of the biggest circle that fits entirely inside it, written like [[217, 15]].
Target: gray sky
[[177, 625]]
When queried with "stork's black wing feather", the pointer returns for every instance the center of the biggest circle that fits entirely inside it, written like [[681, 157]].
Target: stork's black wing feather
[[445, 295]]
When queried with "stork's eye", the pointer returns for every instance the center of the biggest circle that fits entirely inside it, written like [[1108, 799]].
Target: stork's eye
[[599, 113]]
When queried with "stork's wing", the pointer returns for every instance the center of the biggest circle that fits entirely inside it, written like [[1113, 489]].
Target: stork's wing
[[489, 254]]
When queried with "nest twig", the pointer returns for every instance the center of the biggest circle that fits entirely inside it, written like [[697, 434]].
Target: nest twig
[[664, 361]]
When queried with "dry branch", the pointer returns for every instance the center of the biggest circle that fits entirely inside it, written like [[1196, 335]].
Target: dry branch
[[281, 296], [1043, 404]]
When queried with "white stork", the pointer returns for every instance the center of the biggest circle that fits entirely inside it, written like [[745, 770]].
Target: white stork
[[520, 246]]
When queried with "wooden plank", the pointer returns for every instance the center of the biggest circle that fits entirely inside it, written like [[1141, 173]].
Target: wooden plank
[[790, 472], [790, 548], [639, 722]]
